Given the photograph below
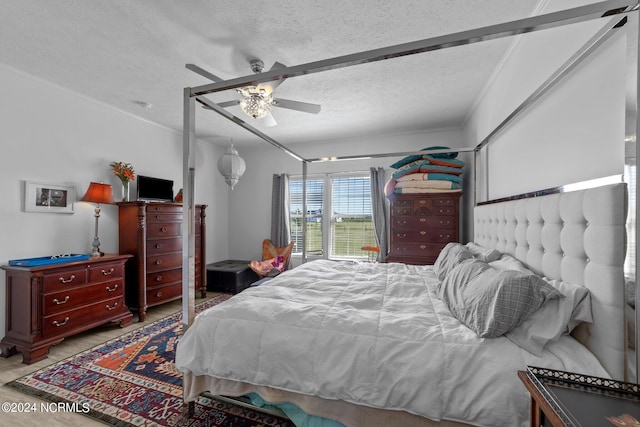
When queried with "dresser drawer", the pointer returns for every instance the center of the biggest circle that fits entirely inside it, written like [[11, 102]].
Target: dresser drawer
[[402, 211], [80, 296], [423, 222], [445, 211], [163, 209], [159, 246], [164, 277], [106, 272], [65, 279], [163, 262], [77, 319], [402, 203], [417, 249], [163, 229], [163, 217], [426, 235], [160, 294]]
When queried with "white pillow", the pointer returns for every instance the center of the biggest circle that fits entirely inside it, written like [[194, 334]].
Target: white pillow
[[555, 318], [482, 253], [508, 262]]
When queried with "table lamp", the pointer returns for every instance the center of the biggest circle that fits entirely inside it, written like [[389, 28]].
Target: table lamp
[[98, 193]]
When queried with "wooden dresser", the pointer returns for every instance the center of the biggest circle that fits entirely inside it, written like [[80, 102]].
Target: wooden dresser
[[47, 303], [421, 225], [152, 233]]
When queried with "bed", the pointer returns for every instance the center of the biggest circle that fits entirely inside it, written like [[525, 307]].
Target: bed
[[378, 344]]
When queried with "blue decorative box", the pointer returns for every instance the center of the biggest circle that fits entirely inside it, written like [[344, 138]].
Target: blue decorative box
[[55, 259]]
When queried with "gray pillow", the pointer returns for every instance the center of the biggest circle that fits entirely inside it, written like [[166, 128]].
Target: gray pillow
[[450, 256], [492, 302]]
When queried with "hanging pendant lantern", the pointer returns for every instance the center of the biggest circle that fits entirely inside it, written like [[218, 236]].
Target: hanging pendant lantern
[[231, 166]]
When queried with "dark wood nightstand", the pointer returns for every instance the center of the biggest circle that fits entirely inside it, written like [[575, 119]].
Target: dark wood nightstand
[[565, 399]]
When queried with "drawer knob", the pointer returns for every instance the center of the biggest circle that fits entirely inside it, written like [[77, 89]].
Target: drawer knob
[[423, 233], [69, 280], [158, 261], [107, 273], [159, 294], [112, 289], [423, 219], [64, 322], [158, 245], [58, 302], [163, 229], [159, 279], [423, 246], [111, 307]]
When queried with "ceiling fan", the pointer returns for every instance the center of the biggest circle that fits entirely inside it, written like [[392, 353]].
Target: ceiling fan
[[256, 101]]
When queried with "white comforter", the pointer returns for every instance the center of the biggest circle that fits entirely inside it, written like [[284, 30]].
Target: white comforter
[[370, 334]]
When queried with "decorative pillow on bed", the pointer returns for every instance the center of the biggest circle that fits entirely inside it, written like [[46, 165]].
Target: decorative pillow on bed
[[492, 302], [482, 253], [449, 257], [555, 318]]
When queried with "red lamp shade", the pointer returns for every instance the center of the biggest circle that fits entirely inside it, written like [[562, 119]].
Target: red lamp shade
[[99, 193]]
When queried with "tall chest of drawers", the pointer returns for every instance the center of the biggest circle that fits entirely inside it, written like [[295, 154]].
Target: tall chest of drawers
[[48, 303], [421, 225], [152, 233]]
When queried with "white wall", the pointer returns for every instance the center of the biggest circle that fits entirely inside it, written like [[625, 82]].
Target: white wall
[[575, 133], [52, 135], [250, 208]]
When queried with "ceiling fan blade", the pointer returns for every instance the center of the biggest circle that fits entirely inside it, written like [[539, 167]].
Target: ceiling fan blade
[[296, 105], [271, 86], [270, 121], [203, 72], [223, 104], [229, 103]]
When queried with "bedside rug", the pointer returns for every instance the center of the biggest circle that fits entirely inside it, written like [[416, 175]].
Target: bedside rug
[[132, 381]]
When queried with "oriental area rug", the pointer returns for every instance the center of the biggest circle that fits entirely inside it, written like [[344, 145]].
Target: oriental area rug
[[132, 381]]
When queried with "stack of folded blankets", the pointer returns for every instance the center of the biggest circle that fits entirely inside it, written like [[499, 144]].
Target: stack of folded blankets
[[427, 173]]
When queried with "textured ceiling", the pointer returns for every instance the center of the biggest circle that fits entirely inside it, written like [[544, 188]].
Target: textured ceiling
[[125, 52]]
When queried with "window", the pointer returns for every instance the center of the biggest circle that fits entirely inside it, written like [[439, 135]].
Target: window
[[314, 215], [343, 202]]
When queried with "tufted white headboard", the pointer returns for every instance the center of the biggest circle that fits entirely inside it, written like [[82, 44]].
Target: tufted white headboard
[[578, 237]]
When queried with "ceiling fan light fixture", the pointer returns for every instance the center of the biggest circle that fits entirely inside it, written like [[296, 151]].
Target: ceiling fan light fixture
[[255, 102]]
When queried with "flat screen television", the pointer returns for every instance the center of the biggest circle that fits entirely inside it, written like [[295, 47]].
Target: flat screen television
[[155, 189]]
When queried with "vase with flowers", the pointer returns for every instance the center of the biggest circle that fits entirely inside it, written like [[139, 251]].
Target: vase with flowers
[[124, 172]]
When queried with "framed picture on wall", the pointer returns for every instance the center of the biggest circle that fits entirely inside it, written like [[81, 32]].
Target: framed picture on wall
[[50, 198]]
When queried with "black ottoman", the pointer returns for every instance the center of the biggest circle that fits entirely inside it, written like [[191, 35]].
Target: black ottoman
[[230, 276]]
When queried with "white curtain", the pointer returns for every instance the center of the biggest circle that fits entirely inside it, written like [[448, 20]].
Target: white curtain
[[379, 211], [280, 228]]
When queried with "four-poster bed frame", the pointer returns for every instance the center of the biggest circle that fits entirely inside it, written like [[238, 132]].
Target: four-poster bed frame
[[620, 12]]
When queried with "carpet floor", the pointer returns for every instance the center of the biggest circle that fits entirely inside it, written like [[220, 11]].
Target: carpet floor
[[132, 381]]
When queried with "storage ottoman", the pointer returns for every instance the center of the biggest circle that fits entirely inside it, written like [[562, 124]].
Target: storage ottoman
[[230, 276]]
